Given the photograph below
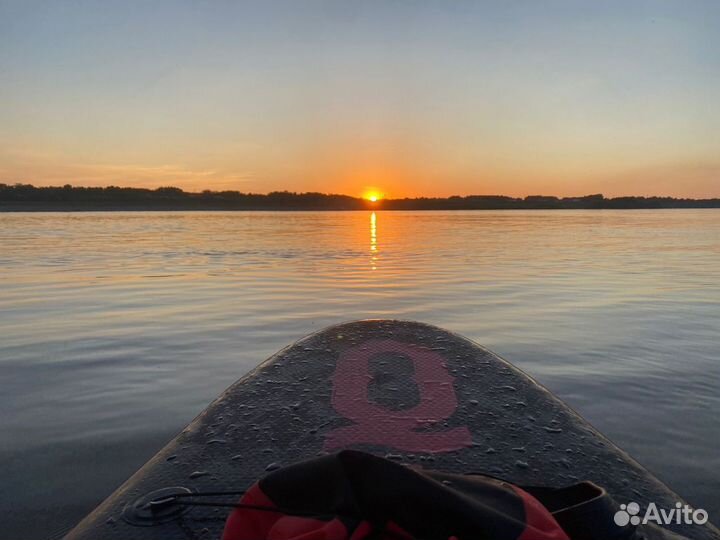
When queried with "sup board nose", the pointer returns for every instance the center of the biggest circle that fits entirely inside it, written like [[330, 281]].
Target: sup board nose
[[404, 390]]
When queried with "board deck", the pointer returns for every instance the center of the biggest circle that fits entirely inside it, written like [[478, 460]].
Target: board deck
[[404, 390]]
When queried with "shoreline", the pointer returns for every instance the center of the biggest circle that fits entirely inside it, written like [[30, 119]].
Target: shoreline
[[79, 209]]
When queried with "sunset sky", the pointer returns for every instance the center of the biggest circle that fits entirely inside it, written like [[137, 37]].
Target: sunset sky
[[409, 98]]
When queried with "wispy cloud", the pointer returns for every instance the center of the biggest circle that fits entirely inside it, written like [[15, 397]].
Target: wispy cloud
[[46, 167]]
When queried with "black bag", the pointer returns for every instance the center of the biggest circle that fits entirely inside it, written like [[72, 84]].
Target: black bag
[[353, 495]]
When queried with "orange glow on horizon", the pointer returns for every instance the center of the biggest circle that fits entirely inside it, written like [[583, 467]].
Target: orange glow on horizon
[[372, 195]]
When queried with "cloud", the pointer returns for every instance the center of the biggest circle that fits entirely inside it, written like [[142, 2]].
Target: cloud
[[47, 167]]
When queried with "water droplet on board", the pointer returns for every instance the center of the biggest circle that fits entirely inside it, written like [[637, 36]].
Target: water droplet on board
[[272, 467], [198, 474], [521, 464]]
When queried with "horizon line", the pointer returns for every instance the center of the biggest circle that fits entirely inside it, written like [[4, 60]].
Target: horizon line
[[380, 199]]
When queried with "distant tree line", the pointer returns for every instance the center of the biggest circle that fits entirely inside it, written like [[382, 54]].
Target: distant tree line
[[25, 197]]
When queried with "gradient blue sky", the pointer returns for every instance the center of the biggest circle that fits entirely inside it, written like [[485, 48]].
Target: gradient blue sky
[[412, 98]]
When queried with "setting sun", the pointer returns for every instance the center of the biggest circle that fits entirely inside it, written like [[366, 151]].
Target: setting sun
[[372, 196]]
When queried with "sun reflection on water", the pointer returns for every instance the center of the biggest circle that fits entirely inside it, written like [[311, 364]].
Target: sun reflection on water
[[373, 241]]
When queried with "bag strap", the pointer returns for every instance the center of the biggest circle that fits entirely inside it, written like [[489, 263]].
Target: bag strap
[[586, 511]]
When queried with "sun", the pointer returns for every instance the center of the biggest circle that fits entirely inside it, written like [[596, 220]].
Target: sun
[[372, 196]]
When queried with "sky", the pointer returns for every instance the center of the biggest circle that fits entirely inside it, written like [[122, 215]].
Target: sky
[[407, 98]]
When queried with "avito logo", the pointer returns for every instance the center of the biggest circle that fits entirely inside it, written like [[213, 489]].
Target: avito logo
[[629, 514]]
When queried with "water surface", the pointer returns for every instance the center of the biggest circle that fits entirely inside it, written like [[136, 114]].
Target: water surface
[[116, 329]]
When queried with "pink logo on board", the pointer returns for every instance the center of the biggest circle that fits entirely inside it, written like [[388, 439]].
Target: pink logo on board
[[409, 430]]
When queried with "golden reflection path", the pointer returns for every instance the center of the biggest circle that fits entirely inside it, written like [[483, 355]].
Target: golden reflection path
[[373, 241]]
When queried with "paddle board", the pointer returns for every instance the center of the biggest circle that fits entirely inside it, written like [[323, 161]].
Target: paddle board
[[403, 390]]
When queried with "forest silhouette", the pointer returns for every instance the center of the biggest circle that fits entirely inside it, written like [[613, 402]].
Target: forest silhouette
[[26, 197]]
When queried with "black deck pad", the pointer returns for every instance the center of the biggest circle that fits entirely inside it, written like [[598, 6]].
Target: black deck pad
[[403, 390]]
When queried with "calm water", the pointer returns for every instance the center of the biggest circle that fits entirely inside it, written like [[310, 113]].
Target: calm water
[[116, 329]]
